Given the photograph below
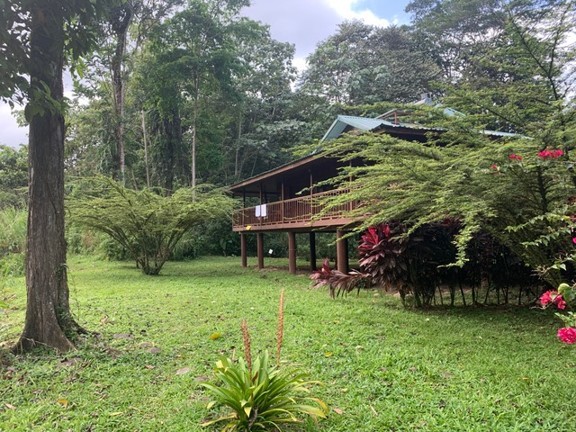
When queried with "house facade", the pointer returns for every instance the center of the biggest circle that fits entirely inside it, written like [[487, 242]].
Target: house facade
[[285, 199]]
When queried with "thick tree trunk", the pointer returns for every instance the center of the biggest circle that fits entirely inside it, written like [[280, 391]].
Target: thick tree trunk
[[48, 319]]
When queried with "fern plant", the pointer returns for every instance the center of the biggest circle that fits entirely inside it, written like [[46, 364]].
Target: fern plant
[[260, 394]]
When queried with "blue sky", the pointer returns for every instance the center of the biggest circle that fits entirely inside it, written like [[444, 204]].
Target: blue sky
[[389, 9]]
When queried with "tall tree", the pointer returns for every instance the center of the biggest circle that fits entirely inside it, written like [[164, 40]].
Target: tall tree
[[36, 36], [452, 31], [107, 76], [120, 20], [366, 64], [262, 124], [197, 49]]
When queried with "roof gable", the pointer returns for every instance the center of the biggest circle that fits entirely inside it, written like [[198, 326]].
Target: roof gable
[[344, 122]]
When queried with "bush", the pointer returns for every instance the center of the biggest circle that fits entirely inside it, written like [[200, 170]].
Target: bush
[[418, 264], [148, 226], [12, 241]]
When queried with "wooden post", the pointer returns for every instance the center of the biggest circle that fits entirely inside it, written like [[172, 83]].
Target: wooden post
[[260, 249], [282, 198], [243, 256], [260, 219], [313, 265], [243, 207], [341, 252], [292, 252]]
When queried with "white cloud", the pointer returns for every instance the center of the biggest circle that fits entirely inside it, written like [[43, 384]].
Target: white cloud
[[345, 9], [306, 23], [11, 134]]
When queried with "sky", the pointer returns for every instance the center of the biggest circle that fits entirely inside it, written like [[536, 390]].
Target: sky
[[305, 23]]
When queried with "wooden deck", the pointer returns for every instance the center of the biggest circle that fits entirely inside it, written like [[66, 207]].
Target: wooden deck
[[302, 213]]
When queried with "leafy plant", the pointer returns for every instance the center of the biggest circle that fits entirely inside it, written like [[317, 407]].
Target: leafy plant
[[261, 397], [383, 256], [408, 262], [147, 225], [337, 281], [260, 394], [12, 241]]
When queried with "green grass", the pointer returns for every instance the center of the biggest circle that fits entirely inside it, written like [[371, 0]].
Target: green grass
[[384, 368]]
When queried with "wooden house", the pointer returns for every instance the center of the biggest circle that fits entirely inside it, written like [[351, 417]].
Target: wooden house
[[282, 206], [278, 203]]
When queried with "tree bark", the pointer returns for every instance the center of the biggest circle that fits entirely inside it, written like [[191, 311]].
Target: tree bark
[[145, 140], [120, 24], [48, 319]]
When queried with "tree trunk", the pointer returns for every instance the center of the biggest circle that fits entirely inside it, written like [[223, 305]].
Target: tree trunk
[[145, 140], [48, 319], [120, 23], [195, 110]]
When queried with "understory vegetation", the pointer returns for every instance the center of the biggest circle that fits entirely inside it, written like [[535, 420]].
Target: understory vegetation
[[383, 367]]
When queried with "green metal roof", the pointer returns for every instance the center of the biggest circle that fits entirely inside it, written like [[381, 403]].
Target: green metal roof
[[365, 124], [343, 121]]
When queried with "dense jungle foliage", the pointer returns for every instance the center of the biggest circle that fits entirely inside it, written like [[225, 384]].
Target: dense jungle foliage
[[183, 93]]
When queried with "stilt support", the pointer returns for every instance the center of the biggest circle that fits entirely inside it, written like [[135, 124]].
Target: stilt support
[[243, 256], [341, 252], [292, 252], [313, 265], [260, 249]]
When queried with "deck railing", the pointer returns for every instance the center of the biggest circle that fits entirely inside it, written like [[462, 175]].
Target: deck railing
[[301, 210]]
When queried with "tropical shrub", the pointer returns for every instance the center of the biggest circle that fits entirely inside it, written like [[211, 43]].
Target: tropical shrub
[[261, 396], [146, 225], [563, 299], [418, 267]]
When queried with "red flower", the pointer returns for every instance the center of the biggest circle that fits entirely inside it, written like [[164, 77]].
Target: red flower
[[494, 167], [567, 335], [386, 231], [514, 156], [560, 302], [553, 297], [550, 154], [547, 297], [574, 240]]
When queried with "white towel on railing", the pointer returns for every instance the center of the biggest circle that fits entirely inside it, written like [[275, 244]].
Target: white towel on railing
[[261, 210]]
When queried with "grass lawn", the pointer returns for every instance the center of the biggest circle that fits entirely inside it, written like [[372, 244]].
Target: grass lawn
[[384, 368]]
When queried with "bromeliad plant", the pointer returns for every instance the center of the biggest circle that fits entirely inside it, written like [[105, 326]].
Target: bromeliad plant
[[260, 394]]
